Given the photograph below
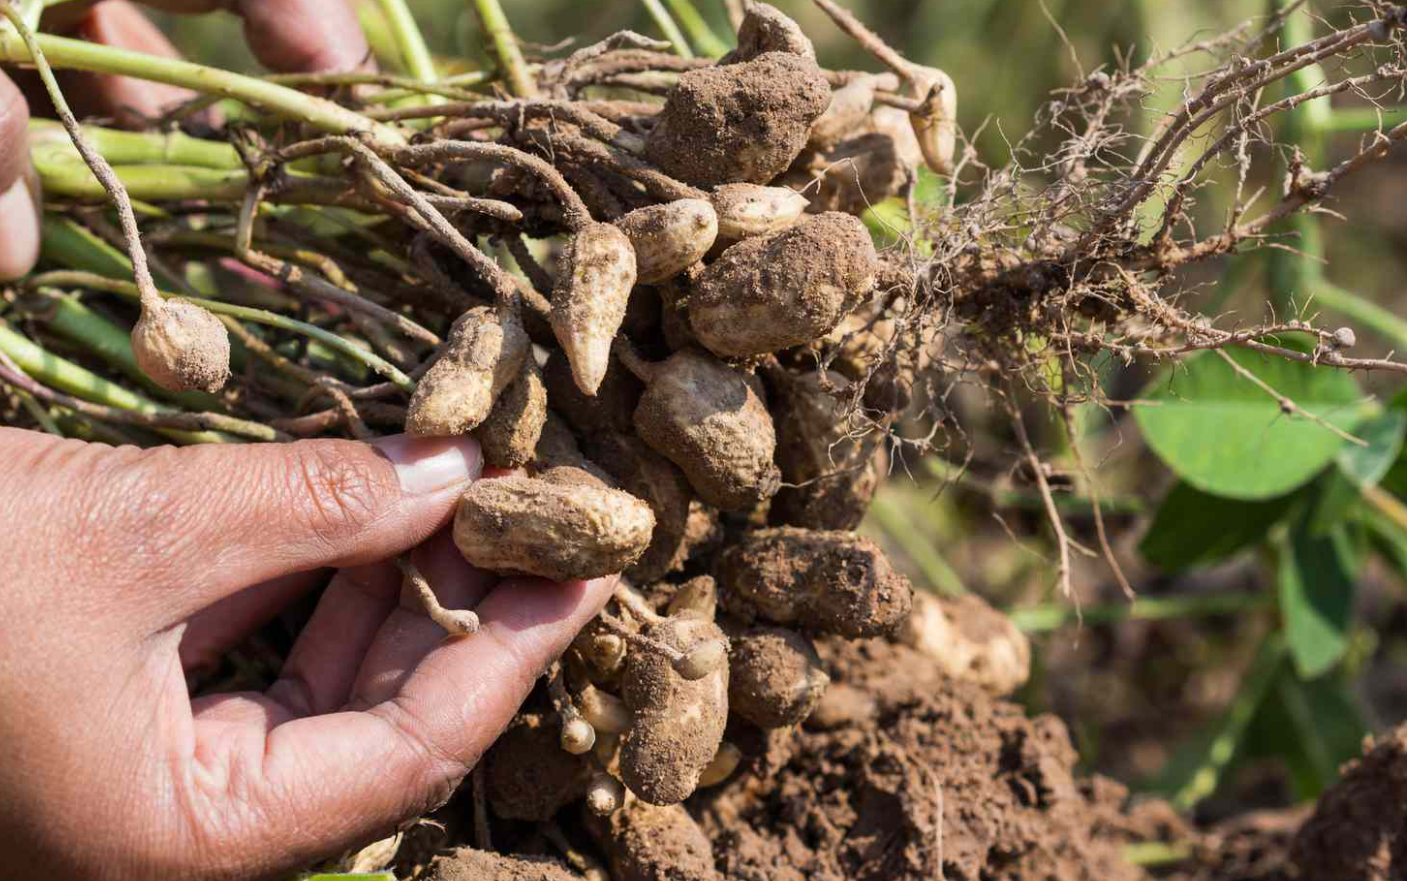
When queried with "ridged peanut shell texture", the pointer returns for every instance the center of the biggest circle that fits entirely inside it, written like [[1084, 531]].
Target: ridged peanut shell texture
[[589, 303], [745, 210], [484, 353], [739, 122], [774, 292], [182, 347], [669, 238], [819, 581], [559, 531], [765, 28], [510, 433], [678, 723], [712, 421]]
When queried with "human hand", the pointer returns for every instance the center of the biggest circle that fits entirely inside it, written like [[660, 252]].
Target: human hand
[[285, 35], [126, 568]]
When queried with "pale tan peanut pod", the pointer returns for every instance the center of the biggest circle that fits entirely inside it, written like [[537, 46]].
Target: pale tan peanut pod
[[509, 434], [604, 794], [829, 477], [655, 480], [181, 346], [765, 28], [725, 124], [590, 299], [528, 776], [606, 712], [970, 640], [697, 596], [848, 112], [774, 292], [711, 420], [560, 531], [893, 123], [482, 355], [670, 237], [775, 677], [935, 123], [645, 842], [468, 864], [746, 210], [611, 408], [724, 763], [815, 580], [578, 737], [676, 723], [851, 176]]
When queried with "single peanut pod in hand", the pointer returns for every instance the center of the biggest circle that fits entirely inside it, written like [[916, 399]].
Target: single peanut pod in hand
[[482, 356], [656, 481], [677, 723], [818, 581], [849, 110], [712, 421], [645, 842], [559, 531], [589, 302], [746, 210], [181, 346], [970, 640], [765, 28], [510, 433], [528, 775], [935, 123], [774, 292], [738, 122], [775, 677], [670, 237]]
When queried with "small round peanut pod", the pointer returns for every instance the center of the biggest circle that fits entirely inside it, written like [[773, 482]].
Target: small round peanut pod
[[677, 724], [765, 28], [560, 531], [604, 794], [775, 677], [697, 596], [578, 737], [528, 776], [746, 210], [589, 303], [702, 660], [645, 842], [483, 354], [181, 346], [970, 640], [849, 110], [670, 237]]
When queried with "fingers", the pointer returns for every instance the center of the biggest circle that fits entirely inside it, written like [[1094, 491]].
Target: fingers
[[291, 36], [216, 629], [19, 203], [131, 101], [170, 531]]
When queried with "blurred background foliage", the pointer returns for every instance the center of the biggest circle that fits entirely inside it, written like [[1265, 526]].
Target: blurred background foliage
[[1269, 633]]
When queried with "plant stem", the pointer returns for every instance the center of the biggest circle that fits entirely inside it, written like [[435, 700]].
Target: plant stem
[[38, 413], [665, 22], [132, 148], [1037, 619], [703, 36], [1156, 853], [65, 53], [415, 55], [900, 527], [1360, 310], [505, 48]]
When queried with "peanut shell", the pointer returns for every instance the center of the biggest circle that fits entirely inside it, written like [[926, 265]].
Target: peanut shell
[[510, 433], [590, 300], [182, 347], [745, 210], [483, 354], [670, 237]]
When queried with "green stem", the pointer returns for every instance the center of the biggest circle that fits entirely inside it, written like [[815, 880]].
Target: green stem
[[665, 22], [1037, 619], [38, 413], [1362, 119], [703, 36], [900, 527], [322, 114], [415, 55], [505, 48], [1361, 311], [66, 376], [1156, 853], [133, 148]]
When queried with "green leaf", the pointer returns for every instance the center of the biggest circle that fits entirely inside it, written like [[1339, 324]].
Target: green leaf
[[1221, 433], [1317, 585], [1335, 497], [1366, 466], [1389, 539], [1313, 727], [1193, 528]]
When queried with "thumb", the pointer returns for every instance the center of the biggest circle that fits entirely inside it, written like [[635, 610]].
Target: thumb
[[19, 193], [193, 525]]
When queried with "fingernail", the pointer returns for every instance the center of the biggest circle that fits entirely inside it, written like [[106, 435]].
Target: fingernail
[[19, 220], [427, 465]]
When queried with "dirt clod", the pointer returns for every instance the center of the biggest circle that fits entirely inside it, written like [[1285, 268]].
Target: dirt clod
[[645, 842], [468, 864], [529, 776]]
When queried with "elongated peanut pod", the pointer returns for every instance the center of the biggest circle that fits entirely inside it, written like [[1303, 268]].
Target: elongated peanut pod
[[669, 238], [755, 210], [483, 354], [181, 347], [606, 712], [935, 122], [849, 109], [509, 434], [561, 531], [589, 303], [724, 763]]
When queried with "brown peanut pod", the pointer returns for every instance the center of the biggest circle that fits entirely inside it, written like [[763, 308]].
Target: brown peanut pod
[[181, 347], [590, 299], [528, 776], [712, 421], [893, 123], [935, 123], [468, 864], [563, 531], [655, 480], [612, 408], [819, 581], [774, 292], [848, 112], [510, 433], [746, 210], [645, 842], [775, 677], [739, 122], [970, 640], [697, 596], [765, 28], [670, 237], [829, 477], [483, 354], [676, 723]]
